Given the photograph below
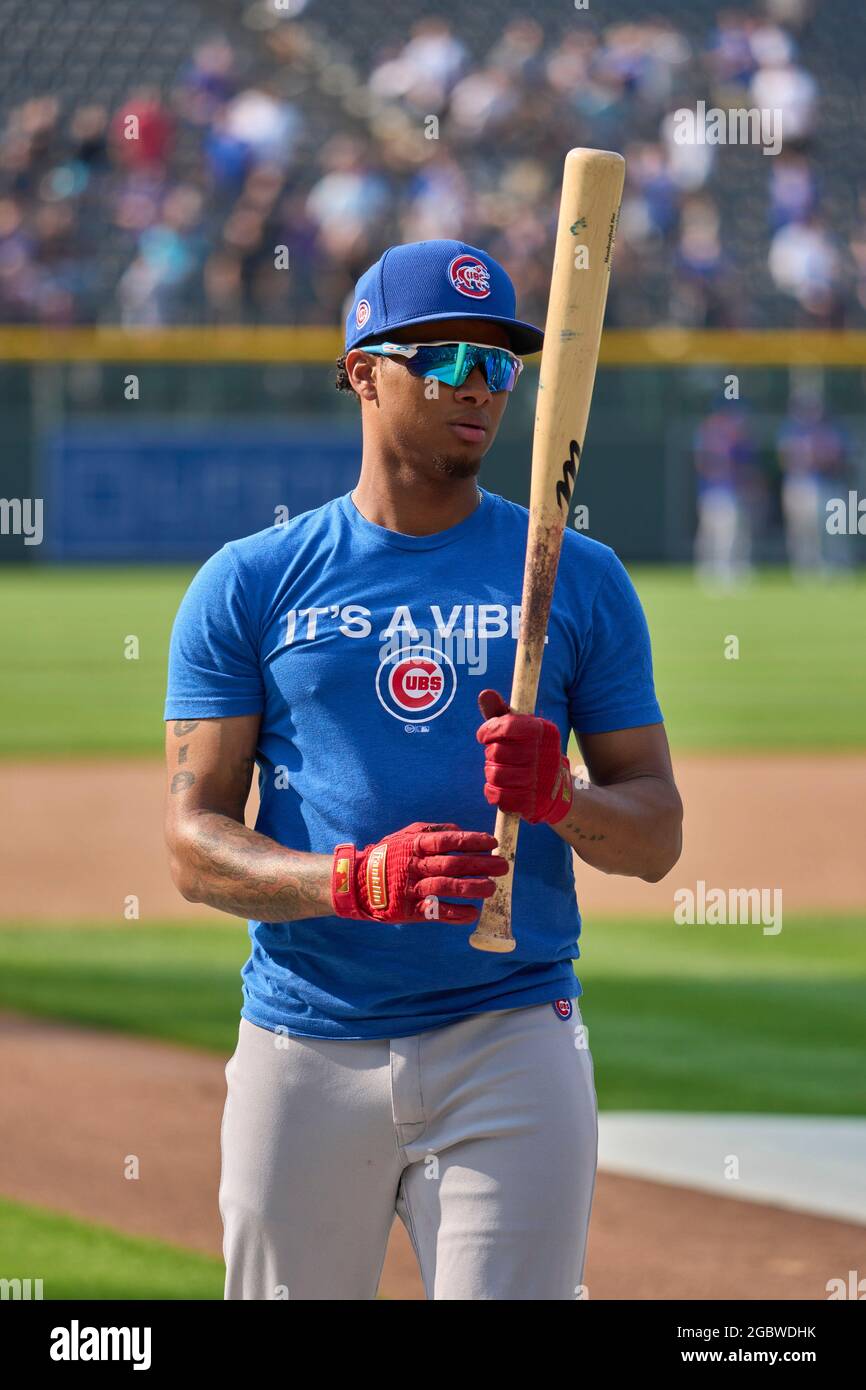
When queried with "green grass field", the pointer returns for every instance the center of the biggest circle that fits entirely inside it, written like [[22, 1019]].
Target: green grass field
[[75, 1259], [68, 689], [679, 1018], [703, 1018], [177, 983]]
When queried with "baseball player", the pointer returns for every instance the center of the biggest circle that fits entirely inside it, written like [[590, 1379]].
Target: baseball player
[[382, 1063]]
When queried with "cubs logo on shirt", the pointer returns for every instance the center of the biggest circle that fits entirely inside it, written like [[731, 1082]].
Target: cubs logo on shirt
[[470, 276], [416, 684], [563, 1007]]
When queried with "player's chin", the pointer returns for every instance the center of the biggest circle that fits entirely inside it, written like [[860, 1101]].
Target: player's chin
[[463, 464]]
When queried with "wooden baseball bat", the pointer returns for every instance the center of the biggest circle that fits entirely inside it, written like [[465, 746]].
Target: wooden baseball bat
[[592, 183]]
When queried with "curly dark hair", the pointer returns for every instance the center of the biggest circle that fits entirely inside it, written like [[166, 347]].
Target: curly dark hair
[[342, 381]]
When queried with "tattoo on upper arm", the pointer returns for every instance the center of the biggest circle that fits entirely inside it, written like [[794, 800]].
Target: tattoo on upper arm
[[182, 781]]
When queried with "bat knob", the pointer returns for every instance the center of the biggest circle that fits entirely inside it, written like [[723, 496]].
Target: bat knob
[[493, 929], [484, 942]]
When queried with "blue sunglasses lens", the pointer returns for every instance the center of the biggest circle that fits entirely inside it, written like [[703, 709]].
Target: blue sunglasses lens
[[452, 363]]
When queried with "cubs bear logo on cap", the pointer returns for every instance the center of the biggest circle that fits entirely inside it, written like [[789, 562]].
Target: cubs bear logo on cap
[[470, 276], [362, 313]]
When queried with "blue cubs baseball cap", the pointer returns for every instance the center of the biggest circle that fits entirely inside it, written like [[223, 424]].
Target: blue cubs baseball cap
[[426, 280]]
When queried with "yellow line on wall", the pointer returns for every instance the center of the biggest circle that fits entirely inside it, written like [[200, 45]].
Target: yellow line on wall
[[204, 344], [621, 347], [626, 347]]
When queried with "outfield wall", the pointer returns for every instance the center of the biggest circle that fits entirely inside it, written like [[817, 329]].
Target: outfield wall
[[161, 445]]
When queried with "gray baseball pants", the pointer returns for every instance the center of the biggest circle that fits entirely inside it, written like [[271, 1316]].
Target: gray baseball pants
[[482, 1136]]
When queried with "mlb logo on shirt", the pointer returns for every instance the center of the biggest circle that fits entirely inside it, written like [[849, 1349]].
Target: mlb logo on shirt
[[342, 876], [563, 1007]]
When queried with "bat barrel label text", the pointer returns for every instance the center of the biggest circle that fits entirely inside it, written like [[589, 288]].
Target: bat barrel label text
[[565, 487]]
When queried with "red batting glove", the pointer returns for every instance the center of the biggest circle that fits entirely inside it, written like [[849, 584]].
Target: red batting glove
[[401, 877], [525, 769]]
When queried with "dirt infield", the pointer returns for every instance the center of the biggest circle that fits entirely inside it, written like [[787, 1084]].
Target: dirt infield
[[102, 1097], [98, 826]]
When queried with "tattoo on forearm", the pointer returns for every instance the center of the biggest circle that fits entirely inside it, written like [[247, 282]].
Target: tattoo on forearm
[[185, 726], [182, 753], [240, 871], [181, 782]]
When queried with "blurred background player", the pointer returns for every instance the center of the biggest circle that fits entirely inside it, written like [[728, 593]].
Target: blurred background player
[[726, 485], [813, 457]]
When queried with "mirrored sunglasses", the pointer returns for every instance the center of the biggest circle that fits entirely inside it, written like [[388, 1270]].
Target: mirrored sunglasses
[[452, 363]]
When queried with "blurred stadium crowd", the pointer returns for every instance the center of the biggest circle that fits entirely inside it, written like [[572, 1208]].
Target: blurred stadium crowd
[[288, 123]]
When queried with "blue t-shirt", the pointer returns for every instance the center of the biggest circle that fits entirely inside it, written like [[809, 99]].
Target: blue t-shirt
[[364, 651]]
